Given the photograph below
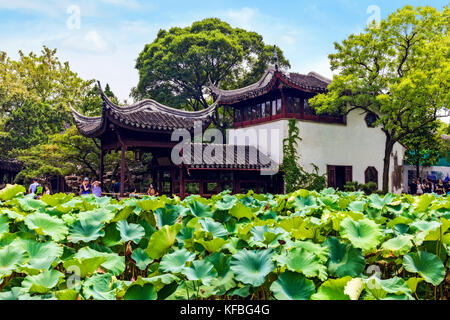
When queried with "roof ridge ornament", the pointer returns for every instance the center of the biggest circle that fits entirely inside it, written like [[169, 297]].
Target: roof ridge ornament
[[275, 57]]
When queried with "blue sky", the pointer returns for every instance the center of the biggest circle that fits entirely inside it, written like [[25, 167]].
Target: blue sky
[[113, 32]]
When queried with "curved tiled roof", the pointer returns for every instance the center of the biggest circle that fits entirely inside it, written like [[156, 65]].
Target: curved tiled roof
[[146, 114], [240, 157], [312, 82], [11, 165]]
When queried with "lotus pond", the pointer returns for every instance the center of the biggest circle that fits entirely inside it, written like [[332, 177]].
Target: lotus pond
[[304, 245]]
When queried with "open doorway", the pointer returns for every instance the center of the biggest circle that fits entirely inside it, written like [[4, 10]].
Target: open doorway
[[338, 176]]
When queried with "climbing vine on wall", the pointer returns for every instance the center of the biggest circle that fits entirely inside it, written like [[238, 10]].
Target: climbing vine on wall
[[295, 177]]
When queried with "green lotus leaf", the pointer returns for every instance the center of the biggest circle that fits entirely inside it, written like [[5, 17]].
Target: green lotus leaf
[[398, 220], [428, 265], [44, 224], [243, 292], [165, 217], [82, 267], [141, 257], [292, 286], [114, 263], [252, 267], [303, 261], [200, 270], [96, 216], [298, 227], [15, 214], [356, 206], [176, 261], [10, 191], [344, 259], [99, 287], [11, 257], [162, 240], [399, 245], [304, 202], [149, 205], [215, 228], [436, 235], [56, 199], [159, 281], [85, 231], [239, 210], [42, 282], [412, 283], [41, 254], [364, 234], [137, 292], [4, 225], [200, 210], [66, 294], [379, 288], [422, 203], [112, 235], [14, 294], [123, 212], [180, 210], [130, 232], [214, 245], [226, 203], [221, 263], [222, 284], [332, 289], [28, 203], [320, 251], [377, 202]]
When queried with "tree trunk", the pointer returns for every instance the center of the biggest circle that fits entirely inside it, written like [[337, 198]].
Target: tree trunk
[[389, 145], [417, 169]]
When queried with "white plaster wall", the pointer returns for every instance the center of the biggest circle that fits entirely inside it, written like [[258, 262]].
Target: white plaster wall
[[353, 144]]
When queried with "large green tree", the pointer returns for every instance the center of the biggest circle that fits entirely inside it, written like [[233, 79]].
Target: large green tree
[[177, 66], [35, 94], [398, 70]]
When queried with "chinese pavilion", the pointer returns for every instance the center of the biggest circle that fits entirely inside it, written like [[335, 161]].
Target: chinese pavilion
[[147, 126]]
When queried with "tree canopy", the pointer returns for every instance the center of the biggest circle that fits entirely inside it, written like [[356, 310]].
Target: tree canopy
[[177, 66], [398, 70], [35, 94]]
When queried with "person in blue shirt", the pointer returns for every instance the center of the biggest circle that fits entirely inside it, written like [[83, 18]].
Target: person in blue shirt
[[33, 187], [85, 187]]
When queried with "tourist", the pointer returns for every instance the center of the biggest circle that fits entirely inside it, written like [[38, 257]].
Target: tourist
[[151, 191], [413, 187], [419, 188], [47, 190], [115, 187], [440, 187], [96, 189], [85, 187], [427, 186], [33, 187]]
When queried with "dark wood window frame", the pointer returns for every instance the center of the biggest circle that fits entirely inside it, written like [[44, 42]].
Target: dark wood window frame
[[374, 172]]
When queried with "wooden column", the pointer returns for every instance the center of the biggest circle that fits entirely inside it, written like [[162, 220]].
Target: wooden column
[[102, 154], [122, 170], [181, 182]]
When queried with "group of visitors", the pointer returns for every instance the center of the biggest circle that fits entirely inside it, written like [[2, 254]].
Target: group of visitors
[[37, 189], [87, 188], [418, 186]]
